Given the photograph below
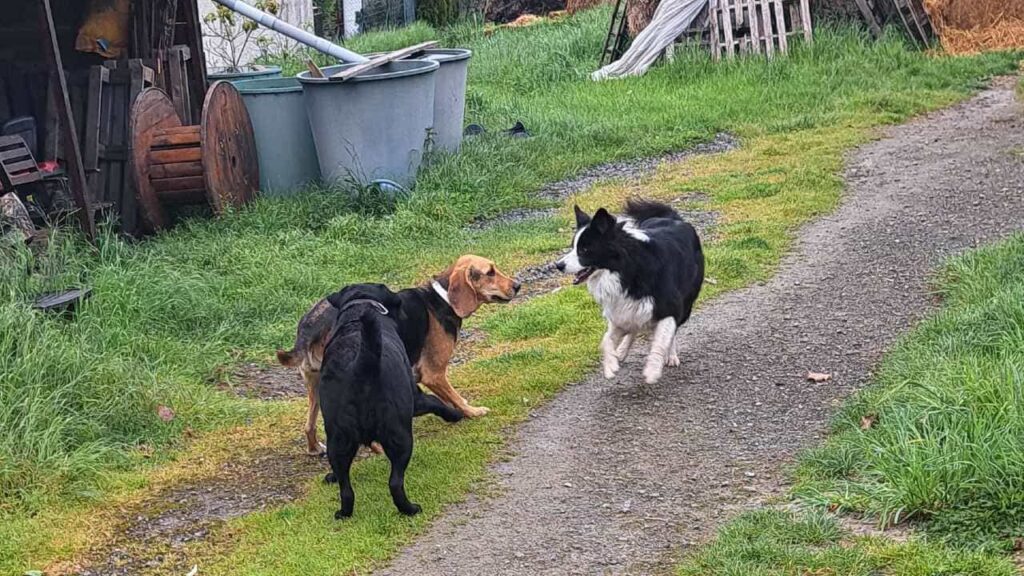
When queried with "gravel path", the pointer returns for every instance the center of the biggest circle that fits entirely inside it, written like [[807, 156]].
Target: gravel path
[[613, 478]]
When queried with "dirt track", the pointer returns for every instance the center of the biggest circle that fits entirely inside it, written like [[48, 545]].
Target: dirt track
[[615, 478]]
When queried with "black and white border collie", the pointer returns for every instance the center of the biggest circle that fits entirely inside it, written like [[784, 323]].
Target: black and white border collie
[[645, 269]]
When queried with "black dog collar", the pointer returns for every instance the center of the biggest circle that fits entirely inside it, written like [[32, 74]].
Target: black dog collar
[[380, 307]]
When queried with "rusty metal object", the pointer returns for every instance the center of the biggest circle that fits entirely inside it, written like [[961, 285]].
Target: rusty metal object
[[213, 162]]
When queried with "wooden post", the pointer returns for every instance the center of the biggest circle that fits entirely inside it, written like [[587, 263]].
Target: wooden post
[[805, 17], [197, 63], [79, 189]]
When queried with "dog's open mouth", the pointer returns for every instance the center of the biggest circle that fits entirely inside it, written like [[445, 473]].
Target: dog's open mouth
[[582, 275]]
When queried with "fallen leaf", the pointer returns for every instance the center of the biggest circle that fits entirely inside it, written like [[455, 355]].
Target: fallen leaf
[[833, 506], [818, 377], [1018, 544], [866, 422], [165, 413], [710, 280], [193, 571]]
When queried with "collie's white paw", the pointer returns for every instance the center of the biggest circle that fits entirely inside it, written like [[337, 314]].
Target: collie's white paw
[[611, 367], [672, 360], [652, 372]]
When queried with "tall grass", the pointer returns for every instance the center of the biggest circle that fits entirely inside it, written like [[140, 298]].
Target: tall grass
[[78, 395], [947, 446]]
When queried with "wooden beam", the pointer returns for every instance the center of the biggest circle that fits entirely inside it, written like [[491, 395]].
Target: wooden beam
[[870, 18], [79, 189], [381, 60]]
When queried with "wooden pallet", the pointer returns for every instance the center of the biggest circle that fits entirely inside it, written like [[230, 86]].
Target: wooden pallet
[[741, 27], [915, 21]]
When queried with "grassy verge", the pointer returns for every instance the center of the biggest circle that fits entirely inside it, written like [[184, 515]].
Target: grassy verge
[[946, 447], [936, 439], [78, 398], [774, 543]]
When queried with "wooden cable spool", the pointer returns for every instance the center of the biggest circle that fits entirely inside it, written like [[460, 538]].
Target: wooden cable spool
[[214, 162]]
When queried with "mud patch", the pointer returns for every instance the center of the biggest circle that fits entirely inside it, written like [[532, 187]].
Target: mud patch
[[156, 530], [265, 382]]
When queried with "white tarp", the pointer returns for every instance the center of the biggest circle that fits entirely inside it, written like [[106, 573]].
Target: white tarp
[[671, 18]]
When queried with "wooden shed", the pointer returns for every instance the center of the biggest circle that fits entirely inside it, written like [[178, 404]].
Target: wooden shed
[[69, 72]]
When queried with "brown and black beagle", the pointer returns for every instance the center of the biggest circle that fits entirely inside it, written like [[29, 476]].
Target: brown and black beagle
[[429, 320]]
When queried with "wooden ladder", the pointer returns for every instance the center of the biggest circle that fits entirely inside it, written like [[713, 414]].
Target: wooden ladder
[[615, 41]]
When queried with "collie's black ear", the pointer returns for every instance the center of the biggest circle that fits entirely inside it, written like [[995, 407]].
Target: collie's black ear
[[603, 221], [581, 217]]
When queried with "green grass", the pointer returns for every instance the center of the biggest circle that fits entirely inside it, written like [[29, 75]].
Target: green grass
[[947, 448], [774, 543], [78, 396]]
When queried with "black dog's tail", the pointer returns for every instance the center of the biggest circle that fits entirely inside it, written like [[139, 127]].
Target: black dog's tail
[[368, 360], [640, 210]]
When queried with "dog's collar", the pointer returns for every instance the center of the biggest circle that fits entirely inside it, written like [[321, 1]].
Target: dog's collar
[[380, 307], [440, 291]]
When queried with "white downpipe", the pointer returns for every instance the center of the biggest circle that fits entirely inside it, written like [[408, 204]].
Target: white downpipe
[[297, 34]]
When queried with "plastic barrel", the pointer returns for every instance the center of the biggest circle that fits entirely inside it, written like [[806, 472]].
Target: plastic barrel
[[449, 94], [243, 75], [374, 125], [284, 143]]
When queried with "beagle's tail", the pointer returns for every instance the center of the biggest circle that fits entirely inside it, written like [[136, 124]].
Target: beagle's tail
[[290, 358]]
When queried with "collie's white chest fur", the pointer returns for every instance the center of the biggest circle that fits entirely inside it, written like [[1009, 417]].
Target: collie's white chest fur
[[619, 309]]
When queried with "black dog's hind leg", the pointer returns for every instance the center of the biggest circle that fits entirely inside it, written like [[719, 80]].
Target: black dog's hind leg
[[399, 451], [341, 453], [430, 404]]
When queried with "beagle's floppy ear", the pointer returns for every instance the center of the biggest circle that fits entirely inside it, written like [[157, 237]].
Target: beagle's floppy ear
[[461, 294]]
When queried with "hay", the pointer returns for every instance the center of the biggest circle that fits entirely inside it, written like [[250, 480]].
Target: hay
[[972, 26], [574, 6]]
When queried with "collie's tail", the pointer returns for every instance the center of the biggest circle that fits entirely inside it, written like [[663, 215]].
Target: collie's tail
[[640, 210]]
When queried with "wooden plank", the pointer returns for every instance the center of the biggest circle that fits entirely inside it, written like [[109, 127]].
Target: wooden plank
[[755, 26], [869, 17], [51, 122], [175, 155], [189, 13], [182, 183], [716, 45], [18, 166], [187, 196], [188, 138], [179, 170], [730, 48], [178, 73], [314, 70], [79, 188], [381, 60], [780, 25], [805, 17], [91, 134], [20, 151], [766, 26]]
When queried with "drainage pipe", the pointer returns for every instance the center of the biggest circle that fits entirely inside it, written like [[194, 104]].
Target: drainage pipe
[[297, 34]]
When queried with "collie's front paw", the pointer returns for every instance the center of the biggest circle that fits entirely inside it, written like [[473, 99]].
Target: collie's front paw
[[611, 367], [672, 360], [652, 372]]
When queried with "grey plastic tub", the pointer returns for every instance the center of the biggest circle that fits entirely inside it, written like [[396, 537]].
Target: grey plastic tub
[[374, 125], [243, 75], [284, 143], [449, 94]]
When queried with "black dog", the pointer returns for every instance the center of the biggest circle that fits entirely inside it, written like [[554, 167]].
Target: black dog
[[367, 391], [645, 269]]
